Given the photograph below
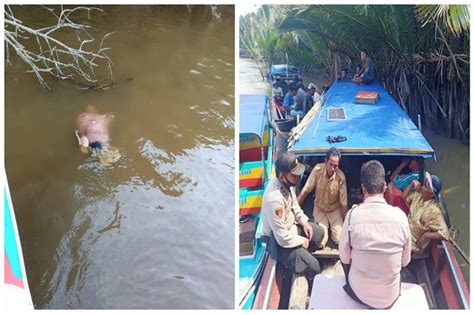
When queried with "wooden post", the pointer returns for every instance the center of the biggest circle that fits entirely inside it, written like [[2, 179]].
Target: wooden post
[[299, 293]]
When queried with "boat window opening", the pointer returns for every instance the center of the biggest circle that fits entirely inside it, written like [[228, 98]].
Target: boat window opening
[[350, 165], [336, 114]]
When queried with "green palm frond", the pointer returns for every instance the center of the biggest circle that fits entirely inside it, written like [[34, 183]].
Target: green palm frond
[[455, 17]]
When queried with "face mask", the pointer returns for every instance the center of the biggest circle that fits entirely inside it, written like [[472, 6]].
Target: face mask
[[288, 184]]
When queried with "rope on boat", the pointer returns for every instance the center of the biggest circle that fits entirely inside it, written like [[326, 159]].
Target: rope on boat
[[452, 239], [460, 251]]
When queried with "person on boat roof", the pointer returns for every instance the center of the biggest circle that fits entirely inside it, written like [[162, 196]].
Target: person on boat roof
[[426, 214], [375, 243], [344, 76], [357, 71], [311, 96], [277, 92], [283, 219], [398, 182], [367, 73], [288, 101], [330, 204]]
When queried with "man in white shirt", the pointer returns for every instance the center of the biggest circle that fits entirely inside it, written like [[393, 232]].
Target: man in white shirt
[[375, 243]]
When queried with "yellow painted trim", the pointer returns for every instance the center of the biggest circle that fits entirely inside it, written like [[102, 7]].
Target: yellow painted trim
[[254, 173], [251, 202]]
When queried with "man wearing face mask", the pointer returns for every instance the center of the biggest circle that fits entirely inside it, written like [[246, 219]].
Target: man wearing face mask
[[285, 220], [330, 203]]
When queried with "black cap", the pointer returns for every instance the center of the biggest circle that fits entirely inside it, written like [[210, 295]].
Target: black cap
[[435, 185], [288, 163]]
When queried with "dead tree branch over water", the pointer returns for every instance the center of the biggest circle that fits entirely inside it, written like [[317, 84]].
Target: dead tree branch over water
[[42, 50]]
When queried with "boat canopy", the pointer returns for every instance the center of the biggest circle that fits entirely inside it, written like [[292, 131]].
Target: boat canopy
[[253, 114], [282, 70], [378, 129]]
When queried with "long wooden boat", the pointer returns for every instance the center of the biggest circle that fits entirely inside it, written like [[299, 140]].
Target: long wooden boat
[[284, 72], [17, 295], [381, 131], [254, 171]]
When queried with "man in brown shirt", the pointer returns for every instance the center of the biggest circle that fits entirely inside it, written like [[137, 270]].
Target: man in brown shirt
[[426, 215], [330, 203]]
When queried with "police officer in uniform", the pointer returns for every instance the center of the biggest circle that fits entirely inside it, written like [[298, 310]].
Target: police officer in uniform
[[284, 219]]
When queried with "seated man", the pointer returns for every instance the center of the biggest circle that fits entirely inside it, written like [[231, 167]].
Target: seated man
[[398, 182], [283, 219], [310, 94], [277, 92], [298, 108], [426, 215], [357, 72], [344, 76], [367, 75], [375, 243], [330, 203], [93, 134], [289, 100], [282, 83]]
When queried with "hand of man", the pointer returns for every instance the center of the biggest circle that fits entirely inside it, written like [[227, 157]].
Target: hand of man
[[308, 230], [417, 185], [405, 162], [420, 243], [306, 243]]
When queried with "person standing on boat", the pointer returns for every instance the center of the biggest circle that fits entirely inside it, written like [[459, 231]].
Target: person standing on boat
[[299, 106], [283, 219], [288, 101], [375, 243], [311, 94], [426, 215], [367, 74], [330, 203]]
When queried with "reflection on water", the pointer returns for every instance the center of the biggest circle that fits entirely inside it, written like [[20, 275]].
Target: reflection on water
[[250, 79], [154, 229]]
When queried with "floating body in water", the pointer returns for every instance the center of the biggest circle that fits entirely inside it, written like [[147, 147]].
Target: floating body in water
[[93, 135]]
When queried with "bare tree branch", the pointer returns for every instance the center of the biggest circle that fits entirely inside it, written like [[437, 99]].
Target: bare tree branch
[[53, 56]]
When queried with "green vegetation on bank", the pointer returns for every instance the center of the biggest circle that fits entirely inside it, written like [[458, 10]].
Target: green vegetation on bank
[[421, 52]]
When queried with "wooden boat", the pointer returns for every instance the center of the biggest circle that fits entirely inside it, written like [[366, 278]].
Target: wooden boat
[[254, 128], [17, 293], [284, 72], [251, 174], [255, 169], [381, 131]]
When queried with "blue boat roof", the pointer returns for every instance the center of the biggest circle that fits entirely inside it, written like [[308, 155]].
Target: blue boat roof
[[281, 70], [379, 129], [253, 114]]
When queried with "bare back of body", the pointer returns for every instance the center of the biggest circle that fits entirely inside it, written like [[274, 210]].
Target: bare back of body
[[95, 127]]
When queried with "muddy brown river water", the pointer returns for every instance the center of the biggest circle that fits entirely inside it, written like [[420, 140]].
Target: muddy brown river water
[[155, 229], [452, 164]]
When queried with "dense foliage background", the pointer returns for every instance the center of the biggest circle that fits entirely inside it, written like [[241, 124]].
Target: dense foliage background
[[421, 52]]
